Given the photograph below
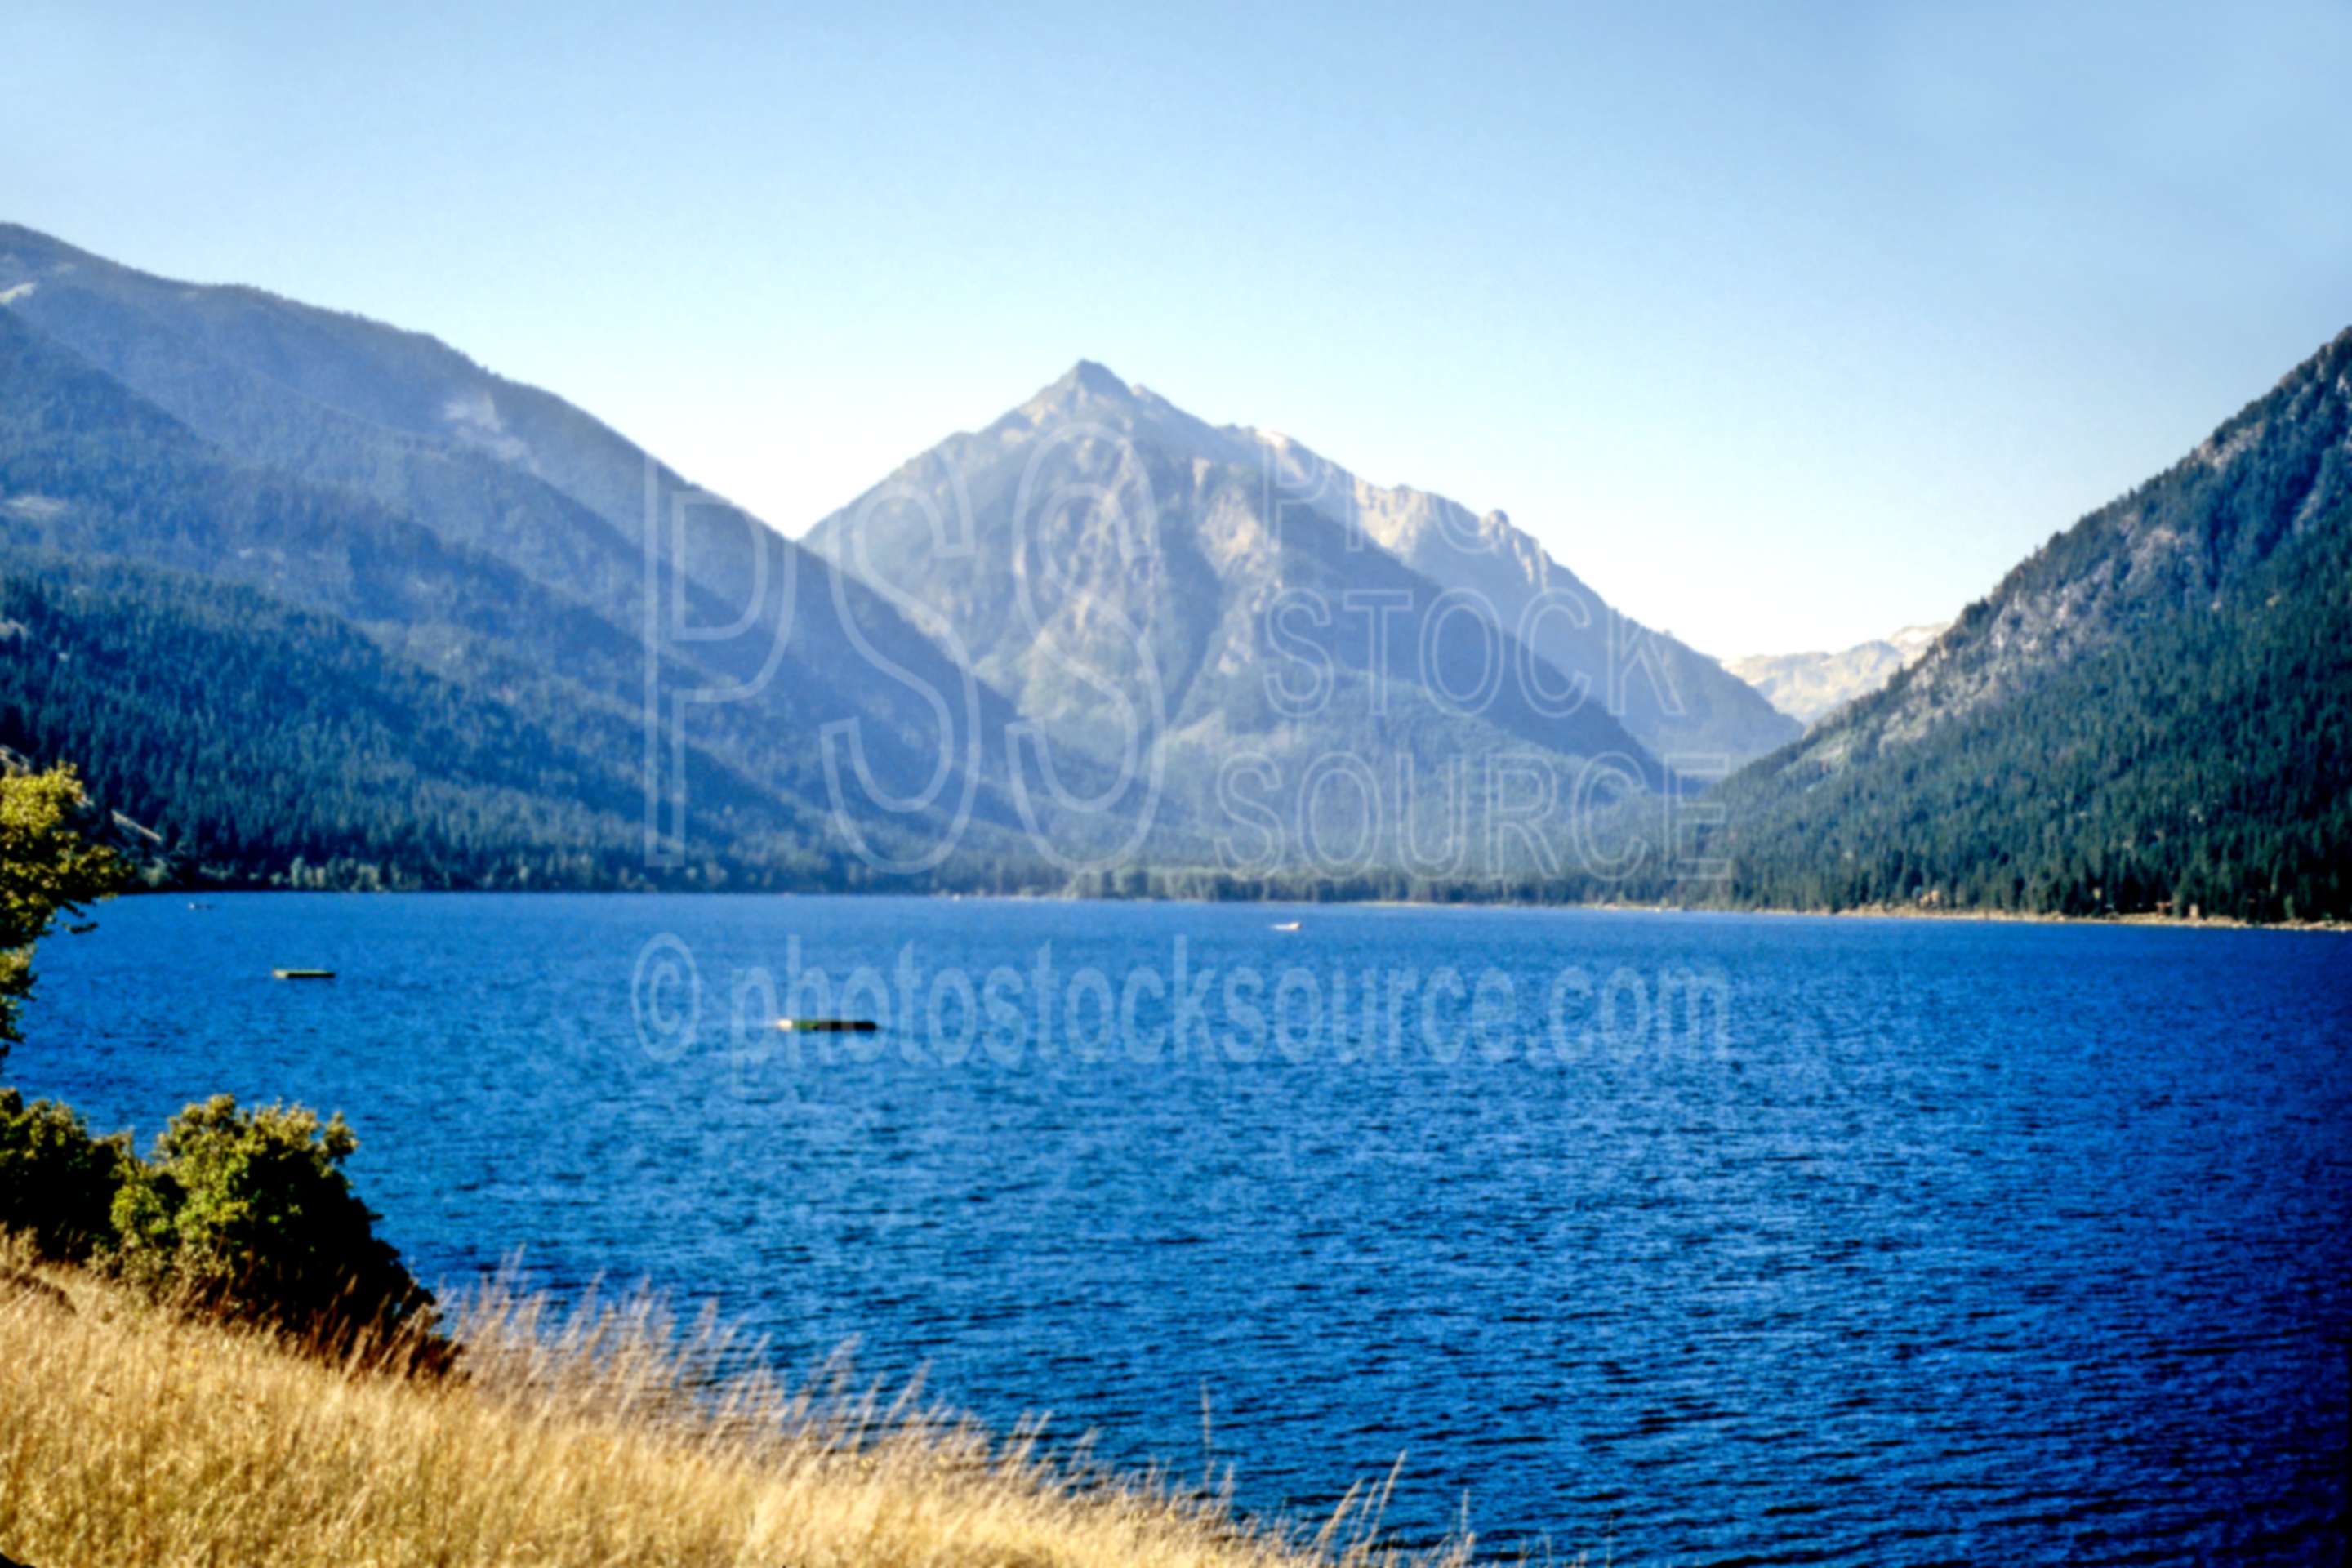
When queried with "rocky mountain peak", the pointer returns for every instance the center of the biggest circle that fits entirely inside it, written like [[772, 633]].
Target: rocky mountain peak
[[1091, 376]]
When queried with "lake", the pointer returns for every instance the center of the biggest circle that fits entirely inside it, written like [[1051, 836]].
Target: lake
[[1665, 1238]]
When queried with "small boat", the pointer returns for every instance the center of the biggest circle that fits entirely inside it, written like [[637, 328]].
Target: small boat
[[828, 1026], [304, 973], [1287, 925]]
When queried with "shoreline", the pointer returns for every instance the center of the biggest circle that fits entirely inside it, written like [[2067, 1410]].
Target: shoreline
[[2025, 917], [1870, 911]]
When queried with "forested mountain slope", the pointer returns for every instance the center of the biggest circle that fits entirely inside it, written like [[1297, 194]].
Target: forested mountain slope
[[2153, 712], [506, 469], [93, 473], [267, 742], [515, 481]]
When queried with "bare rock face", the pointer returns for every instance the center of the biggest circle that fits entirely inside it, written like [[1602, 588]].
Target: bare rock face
[[1151, 589], [1809, 686], [1675, 700]]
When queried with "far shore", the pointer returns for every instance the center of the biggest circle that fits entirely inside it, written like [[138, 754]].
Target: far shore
[[2007, 916], [1860, 911]]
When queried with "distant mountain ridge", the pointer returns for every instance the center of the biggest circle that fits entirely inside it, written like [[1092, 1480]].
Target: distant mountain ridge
[[1807, 687], [1675, 700]]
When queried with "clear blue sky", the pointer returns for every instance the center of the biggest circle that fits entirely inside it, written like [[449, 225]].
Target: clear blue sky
[[1783, 326]]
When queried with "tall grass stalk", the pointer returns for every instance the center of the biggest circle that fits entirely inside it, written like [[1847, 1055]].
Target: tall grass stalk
[[606, 1435]]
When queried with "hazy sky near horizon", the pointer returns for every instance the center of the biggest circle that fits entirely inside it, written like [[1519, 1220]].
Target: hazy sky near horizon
[[1781, 329]]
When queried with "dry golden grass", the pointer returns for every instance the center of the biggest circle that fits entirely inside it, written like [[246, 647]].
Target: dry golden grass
[[133, 1435]]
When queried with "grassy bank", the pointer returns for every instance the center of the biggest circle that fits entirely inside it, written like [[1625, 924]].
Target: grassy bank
[[130, 1433]]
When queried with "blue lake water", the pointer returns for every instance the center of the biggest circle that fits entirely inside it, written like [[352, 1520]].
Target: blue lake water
[[1670, 1239]]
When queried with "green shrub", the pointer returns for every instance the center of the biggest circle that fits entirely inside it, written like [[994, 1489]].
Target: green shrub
[[50, 865], [58, 1182], [247, 1213]]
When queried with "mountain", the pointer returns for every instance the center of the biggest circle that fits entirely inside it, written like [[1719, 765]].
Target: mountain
[[827, 690], [1808, 686], [269, 743], [1675, 700], [325, 601], [1134, 582], [2153, 712], [861, 733], [170, 610]]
